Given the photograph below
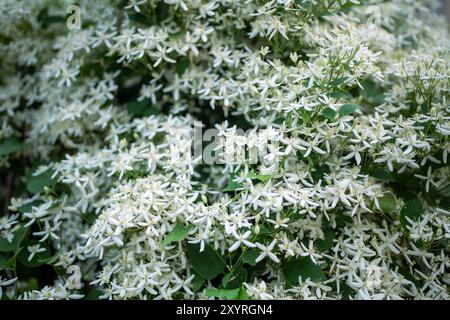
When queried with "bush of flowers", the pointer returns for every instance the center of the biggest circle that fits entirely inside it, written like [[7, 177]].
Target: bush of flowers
[[222, 149]]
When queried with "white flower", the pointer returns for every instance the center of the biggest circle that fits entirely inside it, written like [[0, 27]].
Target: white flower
[[34, 249], [134, 4], [428, 179], [241, 239], [258, 291], [279, 222], [266, 251], [177, 3], [309, 251], [292, 174], [5, 283]]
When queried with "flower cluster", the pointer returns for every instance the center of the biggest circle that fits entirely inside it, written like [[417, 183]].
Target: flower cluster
[[339, 189]]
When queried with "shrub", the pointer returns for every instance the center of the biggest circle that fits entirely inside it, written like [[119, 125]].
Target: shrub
[[187, 149]]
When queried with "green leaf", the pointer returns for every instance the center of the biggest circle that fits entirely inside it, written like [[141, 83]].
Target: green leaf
[[295, 216], [329, 114], [445, 203], [36, 184], [407, 181], [305, 268], [2, 263], [89, 217], [387, 203], [243, 294], [140, 18], [10, 145], [267, 230], [19, 235], [182, 65], [226, 279], [94, 294], [338, 81], [177, 234], [348, 109], [197, 282], [412, 209], [11, 263], [232, 185], [342, 220], [345, 291], [232, 294], [341, 95], [326, 243], [260, 177], [142, 108], [250, 256], [382, 175], [405, 272], [372, 92], [235, 279], [207, 263], [288, 121], [6, 246], [27, 207]]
